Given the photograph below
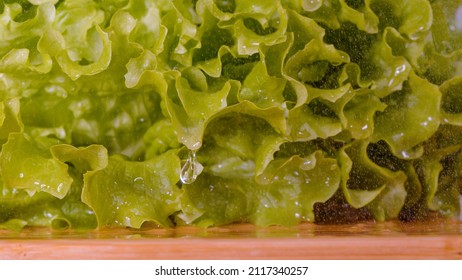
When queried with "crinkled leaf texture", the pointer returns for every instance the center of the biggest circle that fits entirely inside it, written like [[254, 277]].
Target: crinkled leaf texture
[[128, 193], [285, 105]]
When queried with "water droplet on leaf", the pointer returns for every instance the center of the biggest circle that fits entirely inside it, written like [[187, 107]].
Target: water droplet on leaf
[[138, 183], [311, 5], [191, 169]]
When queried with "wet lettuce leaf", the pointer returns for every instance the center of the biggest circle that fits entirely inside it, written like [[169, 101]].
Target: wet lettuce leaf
[[411, 117], [126, 193], [26, 202], [284, 195], [268, 108], [366, 183], [28, 166]]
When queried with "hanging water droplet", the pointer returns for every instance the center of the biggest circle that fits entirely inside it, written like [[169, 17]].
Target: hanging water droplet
[[191, 169]]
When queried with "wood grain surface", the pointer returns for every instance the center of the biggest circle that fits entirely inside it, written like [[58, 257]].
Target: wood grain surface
[[391, 240]]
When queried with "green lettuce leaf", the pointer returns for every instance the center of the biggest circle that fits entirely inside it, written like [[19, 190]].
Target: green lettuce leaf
[[126, 193], [411, 117], [296, 184], [450, 101], [440, 186], [360, 14], [357, 110], [10, 120], [366, 183], [402, 16], [105, 107], [261, 89], [287, 199], [26, 165]]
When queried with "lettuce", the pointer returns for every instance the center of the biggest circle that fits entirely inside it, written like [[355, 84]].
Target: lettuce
[[154, 112]]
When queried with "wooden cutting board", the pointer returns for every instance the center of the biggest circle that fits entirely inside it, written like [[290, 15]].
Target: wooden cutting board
[[390, 240]]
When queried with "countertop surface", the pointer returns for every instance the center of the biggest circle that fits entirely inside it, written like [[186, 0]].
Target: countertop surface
[[369, 240]]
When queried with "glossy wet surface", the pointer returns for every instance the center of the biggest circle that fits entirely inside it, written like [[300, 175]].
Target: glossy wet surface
[[306, 230], [391, 240]]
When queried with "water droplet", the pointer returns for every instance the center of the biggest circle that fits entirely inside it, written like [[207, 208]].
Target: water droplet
[[191, 169], [138, 183], [307, 164], [411, 153], [286, 111], [397, 137], [390, 83], [405, 154], [128, 221], [400, 69], [427, 121], [195, 147], [47, 214], [60, 186], [311, 5]]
